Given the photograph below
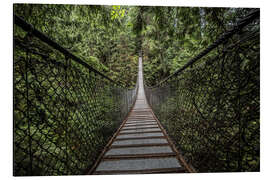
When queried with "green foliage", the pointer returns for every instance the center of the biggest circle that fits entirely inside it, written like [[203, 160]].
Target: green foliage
[[94, 62], [97, 34], [108, 38], [211, 109], [72, 113], [117, 12], [173, 35]]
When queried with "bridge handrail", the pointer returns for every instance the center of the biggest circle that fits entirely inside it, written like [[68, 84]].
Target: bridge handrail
[[211, 106], [236, 28], [33, 31], [64, 111]]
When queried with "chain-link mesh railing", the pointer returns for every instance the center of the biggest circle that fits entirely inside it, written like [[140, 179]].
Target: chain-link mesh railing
[[210, 107], [64, 110]]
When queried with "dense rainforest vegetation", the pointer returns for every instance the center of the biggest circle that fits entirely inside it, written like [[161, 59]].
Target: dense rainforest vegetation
[[110, 37], [100, 35], [65, 114]]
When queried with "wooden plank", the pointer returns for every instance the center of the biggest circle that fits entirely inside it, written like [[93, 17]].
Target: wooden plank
[[139, 156], [144, 171], [141, 145]]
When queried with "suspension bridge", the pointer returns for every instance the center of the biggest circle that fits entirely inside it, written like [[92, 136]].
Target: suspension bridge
[[141, 145], [71, 119]]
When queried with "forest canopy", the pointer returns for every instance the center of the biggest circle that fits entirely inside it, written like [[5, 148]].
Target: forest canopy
[[75, 76], [110, 37]]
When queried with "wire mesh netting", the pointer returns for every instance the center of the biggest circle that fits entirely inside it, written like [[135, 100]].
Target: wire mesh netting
[[64, 113], [211, 108]]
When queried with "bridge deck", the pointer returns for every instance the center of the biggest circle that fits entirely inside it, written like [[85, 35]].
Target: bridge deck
[[141, 145]]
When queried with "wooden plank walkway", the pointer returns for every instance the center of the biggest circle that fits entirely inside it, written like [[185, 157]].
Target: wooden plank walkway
[[141, 145]]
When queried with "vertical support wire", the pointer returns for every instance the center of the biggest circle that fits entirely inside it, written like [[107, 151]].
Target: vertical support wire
[[27, 111], [126, 102], [65, 110], [239, 110]]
